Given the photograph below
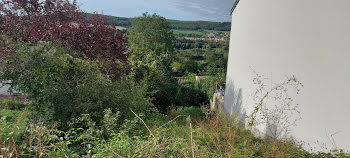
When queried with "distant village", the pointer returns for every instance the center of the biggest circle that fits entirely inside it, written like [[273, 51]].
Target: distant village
[[212, 36]]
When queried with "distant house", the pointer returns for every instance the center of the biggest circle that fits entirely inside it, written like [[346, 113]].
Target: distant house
[[3, 87], [306, 38]]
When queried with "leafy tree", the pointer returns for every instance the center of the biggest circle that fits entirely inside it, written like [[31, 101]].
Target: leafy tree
[[216, 63], [61, 22], [152, 46], [150, 39], [190, 66]]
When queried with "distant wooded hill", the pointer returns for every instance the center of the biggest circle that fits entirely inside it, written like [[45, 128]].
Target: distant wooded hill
[[175, 24]]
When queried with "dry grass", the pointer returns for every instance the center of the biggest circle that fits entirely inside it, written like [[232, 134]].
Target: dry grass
[[216, 135], [8, 150]]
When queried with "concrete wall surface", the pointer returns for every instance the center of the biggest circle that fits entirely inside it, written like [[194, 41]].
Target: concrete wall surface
[[306, 38], [3, 89]]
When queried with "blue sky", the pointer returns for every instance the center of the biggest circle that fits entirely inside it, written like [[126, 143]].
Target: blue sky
[[207, 10]]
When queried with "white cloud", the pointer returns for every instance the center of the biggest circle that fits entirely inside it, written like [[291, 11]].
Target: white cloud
[[217, 10], [212, 10]]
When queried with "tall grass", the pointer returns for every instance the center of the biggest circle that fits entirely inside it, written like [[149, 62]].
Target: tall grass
[[184, 132]]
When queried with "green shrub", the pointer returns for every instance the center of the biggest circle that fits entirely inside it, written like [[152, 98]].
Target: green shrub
[[209, 86], [209, 137], [160, 145], [215, 71], [160, 82], [165, 96], [12, 105], [190, 111], [13, 124], [190, 94], [63, 87], [213, 135], [190, 66]]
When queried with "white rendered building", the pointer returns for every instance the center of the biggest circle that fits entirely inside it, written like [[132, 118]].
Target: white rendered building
[[306, 38]]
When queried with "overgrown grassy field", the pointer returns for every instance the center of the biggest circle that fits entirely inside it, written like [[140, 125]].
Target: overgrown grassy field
[[189, 33], [184, 132]]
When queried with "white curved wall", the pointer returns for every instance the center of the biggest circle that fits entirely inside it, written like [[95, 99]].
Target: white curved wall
[[306, 38]]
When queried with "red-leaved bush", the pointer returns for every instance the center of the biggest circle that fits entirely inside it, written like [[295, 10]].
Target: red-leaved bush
[[61, 22]]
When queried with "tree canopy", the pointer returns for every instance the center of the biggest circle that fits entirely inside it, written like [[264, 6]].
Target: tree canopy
[[150, 38], [152, 46], [61, 22]]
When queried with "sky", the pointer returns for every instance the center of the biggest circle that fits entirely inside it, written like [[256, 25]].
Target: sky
[[190, 10]]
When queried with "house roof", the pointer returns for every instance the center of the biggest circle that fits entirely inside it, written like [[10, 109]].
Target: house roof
[[234, 6]]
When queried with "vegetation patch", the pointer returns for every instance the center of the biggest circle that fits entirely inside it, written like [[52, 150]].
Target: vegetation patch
[[95, 91]]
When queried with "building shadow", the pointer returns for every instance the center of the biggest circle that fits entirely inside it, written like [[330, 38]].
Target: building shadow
[[233, 102]]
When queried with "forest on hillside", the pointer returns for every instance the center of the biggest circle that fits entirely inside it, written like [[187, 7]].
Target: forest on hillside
[[174, 24]]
